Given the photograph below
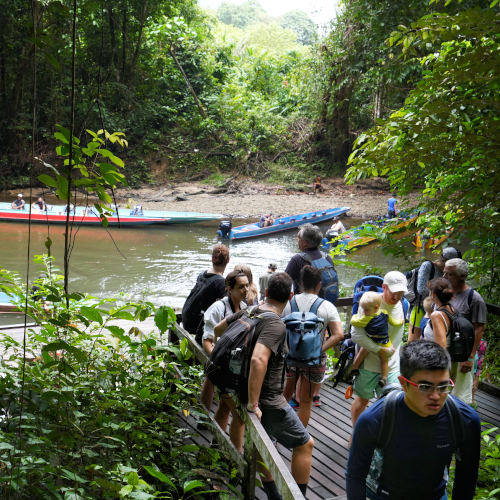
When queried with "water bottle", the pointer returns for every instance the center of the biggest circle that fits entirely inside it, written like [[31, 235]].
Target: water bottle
[[236, 361]]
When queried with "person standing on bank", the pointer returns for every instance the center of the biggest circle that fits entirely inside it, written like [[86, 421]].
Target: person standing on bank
[[367, 382], [424, 436], [392, 210], [470, 304]]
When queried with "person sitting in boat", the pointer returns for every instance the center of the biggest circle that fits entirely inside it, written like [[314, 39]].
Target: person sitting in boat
[[317, 187], [39, 205], [337, 227], [18, 203], [266, 220], [392, 210], [137, 210]]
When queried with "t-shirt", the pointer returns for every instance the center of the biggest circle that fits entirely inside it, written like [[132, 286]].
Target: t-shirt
[[477, 311], [372, 361], [297, 262], [391, 204], [215, 314], [263, 281], [424, 275], [271, 333], [416, 456]]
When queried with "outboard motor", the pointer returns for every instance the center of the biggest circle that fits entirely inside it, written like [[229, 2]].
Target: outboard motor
[[224, 229], [329, 235]]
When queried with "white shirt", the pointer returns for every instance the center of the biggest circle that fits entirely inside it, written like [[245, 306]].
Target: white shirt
[[219, 310], [372, 361]]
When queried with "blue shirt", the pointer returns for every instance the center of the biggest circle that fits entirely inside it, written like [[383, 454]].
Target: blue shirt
[[417, 454], [391, 204]]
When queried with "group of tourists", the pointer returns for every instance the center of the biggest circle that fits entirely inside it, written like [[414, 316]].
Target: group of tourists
[[20, 204], [418, 448]]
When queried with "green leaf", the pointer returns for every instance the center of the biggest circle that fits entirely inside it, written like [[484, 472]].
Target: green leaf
[[91, 314], [190, 485], [156, 473], [111, 156], [62, 187], [73, 476], [121, 314], [162, 318], [47, 180]]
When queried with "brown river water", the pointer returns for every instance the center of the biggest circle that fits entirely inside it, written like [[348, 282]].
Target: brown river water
[[160, 263]]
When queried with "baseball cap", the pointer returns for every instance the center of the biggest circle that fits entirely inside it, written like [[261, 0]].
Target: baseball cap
[[450, 253], [272, 265], [396, 282], [20, 195]]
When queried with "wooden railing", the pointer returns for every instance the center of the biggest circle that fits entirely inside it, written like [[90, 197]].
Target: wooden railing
[[257, 442]]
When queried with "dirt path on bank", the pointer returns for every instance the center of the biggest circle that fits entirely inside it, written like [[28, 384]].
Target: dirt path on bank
[[244, 198]]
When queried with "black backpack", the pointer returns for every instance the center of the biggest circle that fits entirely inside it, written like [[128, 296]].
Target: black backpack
[[329, 279], [461, 336], [193, 308], [229, 363], [391, 394], [412, 296]]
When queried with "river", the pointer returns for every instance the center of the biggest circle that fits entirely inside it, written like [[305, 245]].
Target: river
[[160, 263]]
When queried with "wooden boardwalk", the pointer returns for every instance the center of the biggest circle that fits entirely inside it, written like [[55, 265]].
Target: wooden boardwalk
[[330, 426]]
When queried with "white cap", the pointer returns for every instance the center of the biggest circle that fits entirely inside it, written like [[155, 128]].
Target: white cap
[[19, 195], [396, 282]]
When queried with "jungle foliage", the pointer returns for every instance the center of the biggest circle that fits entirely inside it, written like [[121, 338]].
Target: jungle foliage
[[90, 409]]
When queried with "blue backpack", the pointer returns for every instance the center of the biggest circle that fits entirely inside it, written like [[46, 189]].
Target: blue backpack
[[303, 334], [329, 279]]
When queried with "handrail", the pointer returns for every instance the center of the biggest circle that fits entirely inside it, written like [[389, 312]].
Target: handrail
[[256, 440]]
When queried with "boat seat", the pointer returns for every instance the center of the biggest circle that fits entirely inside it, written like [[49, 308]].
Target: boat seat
[[323, 213], [292, 219], [313, 215], [305, 217], [281, 222]]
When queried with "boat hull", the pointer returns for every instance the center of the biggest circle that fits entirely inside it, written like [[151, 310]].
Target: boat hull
[[89, 217], [285, 223]]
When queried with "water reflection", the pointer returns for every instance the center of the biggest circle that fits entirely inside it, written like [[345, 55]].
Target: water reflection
[[159, 264]]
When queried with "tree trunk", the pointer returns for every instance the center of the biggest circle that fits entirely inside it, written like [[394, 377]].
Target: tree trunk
[[139, 38], [112, 36], [124, 41]]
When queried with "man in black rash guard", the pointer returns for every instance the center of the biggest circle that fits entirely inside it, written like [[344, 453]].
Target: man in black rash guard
[[419, 450]]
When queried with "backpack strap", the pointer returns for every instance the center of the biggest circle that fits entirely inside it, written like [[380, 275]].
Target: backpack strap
[[457, 427], [315, 306], [293, 305], [469, 297], [306, 257], [386, 427], [450, 315]]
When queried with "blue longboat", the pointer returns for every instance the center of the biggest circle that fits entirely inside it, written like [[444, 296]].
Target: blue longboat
[[280, 224]]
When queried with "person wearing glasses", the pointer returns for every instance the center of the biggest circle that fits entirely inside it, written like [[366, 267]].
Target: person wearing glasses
[[418, 453]]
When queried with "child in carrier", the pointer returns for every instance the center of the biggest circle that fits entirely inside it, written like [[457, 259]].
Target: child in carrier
[[428, 306], [375, 322]]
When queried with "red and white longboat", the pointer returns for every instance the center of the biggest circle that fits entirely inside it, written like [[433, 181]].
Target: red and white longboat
[[89, 216]]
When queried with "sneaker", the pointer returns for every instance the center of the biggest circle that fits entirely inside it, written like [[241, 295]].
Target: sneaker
[[316, 401], [294, 404]]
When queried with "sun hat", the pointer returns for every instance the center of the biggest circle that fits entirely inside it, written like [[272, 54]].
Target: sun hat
[[396, 282]]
